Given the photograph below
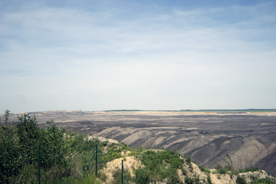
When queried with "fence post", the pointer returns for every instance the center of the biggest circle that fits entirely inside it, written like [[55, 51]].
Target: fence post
[[96, 160], [39, 164], [89, 162], [154, 181], [125, 175], [122, 172]]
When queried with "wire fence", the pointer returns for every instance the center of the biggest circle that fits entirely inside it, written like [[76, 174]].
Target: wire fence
[[61, 167], [93, 165], [29, 154]]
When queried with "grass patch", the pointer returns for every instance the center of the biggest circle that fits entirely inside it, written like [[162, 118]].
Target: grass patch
[[189, 180], [240, 180], [117, 175], [142, 176], [184, 171], [220, 169], [204, 169], [161, 164], [263, 181]]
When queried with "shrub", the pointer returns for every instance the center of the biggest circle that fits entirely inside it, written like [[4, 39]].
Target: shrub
[[263, 181], [132, 153], [218, 167], [229, 166], [209, 181], [142, 176], [240, 180], [10, 161], [249, 169], [161, 164], [196, 180], [102, 144], [189, 180], [117, 175], [188, 159], [174, 180], [203, 169], [6, 116], [102, 176], [184, 172], [222, 171], [62, 154]]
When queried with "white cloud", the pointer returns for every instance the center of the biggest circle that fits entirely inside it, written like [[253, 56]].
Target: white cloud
[[160, 60]]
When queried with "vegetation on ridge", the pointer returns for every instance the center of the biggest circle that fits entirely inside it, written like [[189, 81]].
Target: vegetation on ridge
[[63, 154]]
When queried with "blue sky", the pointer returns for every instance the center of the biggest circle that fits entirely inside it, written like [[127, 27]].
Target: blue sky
[[147, 54]]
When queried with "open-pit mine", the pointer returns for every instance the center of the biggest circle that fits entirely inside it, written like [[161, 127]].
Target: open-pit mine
[[249, 138]]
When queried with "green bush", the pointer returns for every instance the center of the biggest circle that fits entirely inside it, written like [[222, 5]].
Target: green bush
[[263, 181], [184, 172], [174, 180], [60, 152], [229, 166], [203, 169], [142, 176], [103, 144], [102, 176], [196, 180], [249, 169], [240, 180], [189, 180], [10, 160], [117, 175], [188, 159], [220, 169], [161, 164], [209, 181]]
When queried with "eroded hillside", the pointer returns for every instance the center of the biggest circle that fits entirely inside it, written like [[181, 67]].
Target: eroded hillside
[[248, 138], [165, 167]]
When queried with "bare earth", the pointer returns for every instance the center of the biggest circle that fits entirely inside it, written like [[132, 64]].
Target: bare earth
[[248, 138]]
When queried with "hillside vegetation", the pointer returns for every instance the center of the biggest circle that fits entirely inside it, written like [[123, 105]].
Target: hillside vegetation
[[64, 157]]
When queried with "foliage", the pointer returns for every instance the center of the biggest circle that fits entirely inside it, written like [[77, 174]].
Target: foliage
[[263, 181], [117, 175], [248, 169], [220, 169], [174, 180], [6, 116], [103, 144], [240, 180], [161, 164], [10, 158], [204, 169], [209, 181], [63, 155], [142, 176], [102, 176], [188, 159], [229, 163], [184, 172], [196, 180], [189, 180]]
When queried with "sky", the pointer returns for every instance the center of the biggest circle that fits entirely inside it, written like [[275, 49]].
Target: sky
[[145, 54]]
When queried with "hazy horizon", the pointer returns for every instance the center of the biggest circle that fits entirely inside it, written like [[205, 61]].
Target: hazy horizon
[[161, 110], [102, 55]]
